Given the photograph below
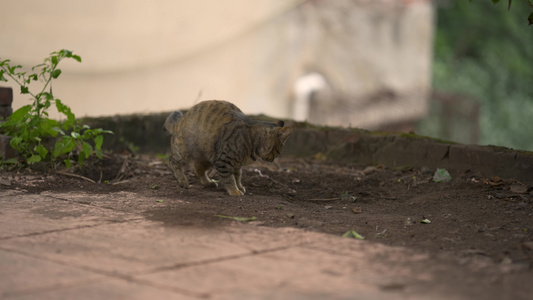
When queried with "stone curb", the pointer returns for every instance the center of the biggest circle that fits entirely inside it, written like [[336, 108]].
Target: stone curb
[[146, 133], [400, 150]]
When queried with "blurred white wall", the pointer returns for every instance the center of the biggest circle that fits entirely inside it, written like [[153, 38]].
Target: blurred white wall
[[139, 56], [153, 56]]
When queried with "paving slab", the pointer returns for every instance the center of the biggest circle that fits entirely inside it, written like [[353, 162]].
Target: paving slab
[[284, 273], [125, 248], [110, 288], [307, 272], [20, 273], [121, 201], [42, 213]]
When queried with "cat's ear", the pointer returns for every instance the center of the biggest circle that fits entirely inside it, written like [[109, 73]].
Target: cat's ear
[[283, 133], [280, 123]]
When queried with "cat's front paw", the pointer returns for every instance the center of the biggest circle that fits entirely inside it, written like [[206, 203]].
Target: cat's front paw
[[184, 183]]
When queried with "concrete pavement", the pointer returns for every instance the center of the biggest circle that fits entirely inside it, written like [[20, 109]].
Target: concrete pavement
[[94, 246]]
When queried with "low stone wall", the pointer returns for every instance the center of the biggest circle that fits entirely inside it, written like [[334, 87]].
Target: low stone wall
[[145, 134], [349, 145], [399, 150]]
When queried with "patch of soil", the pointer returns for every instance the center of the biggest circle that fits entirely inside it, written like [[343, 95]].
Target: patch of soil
[[471, 217]]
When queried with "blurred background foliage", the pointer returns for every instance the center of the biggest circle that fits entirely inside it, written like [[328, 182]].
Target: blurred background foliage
[[484, 63]]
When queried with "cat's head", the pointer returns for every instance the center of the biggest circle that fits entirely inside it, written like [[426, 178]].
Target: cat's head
[[275, 138]]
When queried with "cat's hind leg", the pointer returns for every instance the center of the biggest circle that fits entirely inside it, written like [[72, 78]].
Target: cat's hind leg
[[200, 169], [237, 174]]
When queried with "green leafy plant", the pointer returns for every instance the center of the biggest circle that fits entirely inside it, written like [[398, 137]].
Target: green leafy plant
[[527, 2], [33, 134]]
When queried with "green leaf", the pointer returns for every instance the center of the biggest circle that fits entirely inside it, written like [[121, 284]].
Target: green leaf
[[495, 1], [352, 234], [346, 196], [34, 159], [239, 219], [87, 149], [13, 69], [81, 159], [63, 146], [75, 134], [41, 150], [2, 78], [47, 96], [64, 109], [530, 19], [98, 153], [425, 221], [15, 142], [47, 127], [59, 130], [98, 141], [55, 73], [76, 57], [67, 162], [442, 175], [24, 90], [20, 114], [11, 161], [37, 66]]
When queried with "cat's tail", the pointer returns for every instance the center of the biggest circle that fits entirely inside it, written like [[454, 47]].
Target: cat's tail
[[172, 119]]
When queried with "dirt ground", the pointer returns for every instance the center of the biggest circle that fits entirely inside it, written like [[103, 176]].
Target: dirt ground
[[471, 217]]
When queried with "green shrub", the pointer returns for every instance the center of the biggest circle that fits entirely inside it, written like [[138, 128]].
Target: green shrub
[[34, 135]]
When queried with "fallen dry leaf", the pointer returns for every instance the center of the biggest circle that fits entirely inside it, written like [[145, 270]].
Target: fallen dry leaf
[[357, 210], [496, 181], [518, 189]]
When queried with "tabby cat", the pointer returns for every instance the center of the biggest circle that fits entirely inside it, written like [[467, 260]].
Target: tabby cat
[[217, 134]]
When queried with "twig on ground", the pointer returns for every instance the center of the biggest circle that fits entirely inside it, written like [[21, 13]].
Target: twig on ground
[[382, 197], [76, 176], [121, 182], [122, 172], [327, 199]]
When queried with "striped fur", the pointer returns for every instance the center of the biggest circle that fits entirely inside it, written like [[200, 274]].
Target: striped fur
[[216, 134]]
